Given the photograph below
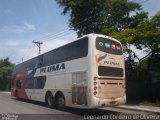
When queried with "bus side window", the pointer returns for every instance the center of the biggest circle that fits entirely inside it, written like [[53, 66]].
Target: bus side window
[[29, 83], [13, 80], [40, 82], [18, 84]]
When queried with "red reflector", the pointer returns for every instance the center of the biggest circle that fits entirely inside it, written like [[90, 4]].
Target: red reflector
[[95, 93], [94, 78], [95, 88], [95, 83]]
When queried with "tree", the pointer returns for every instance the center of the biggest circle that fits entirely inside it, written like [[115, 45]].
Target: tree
[[145, 35], [148, 36], [93, 16], [5, 74]]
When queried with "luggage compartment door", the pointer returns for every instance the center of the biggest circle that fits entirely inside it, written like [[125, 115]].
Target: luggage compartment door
[[79, 88]]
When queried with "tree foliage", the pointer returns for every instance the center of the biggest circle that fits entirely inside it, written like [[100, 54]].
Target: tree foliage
[[5, 73], [148, 36], [92, 16], [148, 33], [145, 35]]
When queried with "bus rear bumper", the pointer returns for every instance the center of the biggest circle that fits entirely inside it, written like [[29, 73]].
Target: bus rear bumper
[[100, 102]]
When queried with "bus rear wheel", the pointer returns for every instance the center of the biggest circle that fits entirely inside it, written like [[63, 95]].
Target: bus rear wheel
[[50, 100], [60, 102]]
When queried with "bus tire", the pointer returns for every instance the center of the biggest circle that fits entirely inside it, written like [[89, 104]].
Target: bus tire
[[60, 101], [50, 102]]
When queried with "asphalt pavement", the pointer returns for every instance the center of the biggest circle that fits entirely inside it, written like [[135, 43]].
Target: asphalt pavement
[[12, 108]]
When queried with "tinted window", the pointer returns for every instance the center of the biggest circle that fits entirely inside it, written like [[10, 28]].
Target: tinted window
[[40, 82], [18, 84], [29, 83], [110, 71], [29, 64], [74, 50], [34, 82], [108, 46]]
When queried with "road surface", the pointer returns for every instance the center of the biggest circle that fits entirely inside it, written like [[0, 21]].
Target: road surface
[[15, 109]]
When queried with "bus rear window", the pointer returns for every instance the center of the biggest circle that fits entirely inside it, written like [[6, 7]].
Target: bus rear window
[[108, 46], [110, 71]]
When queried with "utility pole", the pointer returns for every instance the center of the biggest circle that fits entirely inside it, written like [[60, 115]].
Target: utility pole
[[38, 43]]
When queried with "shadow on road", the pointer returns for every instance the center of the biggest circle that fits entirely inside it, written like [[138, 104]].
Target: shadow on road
[[30, 101], [83, 112], [76, 111]]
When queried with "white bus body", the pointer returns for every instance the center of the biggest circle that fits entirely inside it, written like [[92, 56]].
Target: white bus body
[[95, 79]]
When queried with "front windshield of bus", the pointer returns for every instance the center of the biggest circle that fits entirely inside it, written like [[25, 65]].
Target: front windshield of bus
[[108, 46]]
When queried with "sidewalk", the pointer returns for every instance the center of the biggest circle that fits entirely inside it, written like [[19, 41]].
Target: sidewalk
[[151, 109]]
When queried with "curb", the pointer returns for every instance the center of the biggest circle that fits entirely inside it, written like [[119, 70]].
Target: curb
[[5, 92], [138, 108]]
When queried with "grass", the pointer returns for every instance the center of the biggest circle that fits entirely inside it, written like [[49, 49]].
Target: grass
[[149, 103]]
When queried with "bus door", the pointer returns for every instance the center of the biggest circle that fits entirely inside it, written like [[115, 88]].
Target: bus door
[[36, 91], [79, 88], [39, 83]]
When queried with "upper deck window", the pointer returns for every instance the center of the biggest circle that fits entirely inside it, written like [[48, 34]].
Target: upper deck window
[[71, 51]]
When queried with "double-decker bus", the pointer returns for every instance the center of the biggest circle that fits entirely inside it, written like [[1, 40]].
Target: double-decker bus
[[86, 73]]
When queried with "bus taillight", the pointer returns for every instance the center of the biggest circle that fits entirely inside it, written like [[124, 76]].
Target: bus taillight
[[95, 85]]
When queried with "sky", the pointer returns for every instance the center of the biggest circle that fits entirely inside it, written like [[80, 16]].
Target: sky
[[22, 21]]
